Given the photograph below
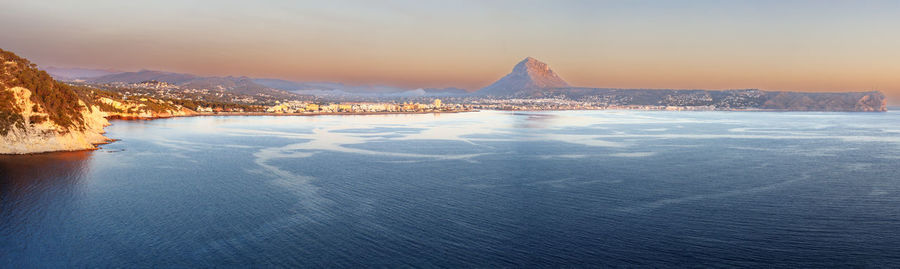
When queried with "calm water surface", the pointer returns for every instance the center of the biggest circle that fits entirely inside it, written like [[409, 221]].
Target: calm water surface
[[485, 189]]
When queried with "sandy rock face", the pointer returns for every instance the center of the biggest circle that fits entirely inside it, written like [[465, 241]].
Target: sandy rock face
[[47, 136]]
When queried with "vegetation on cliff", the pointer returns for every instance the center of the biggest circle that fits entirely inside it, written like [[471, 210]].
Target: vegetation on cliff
[[57, 99], [9, 118], [117, 104]]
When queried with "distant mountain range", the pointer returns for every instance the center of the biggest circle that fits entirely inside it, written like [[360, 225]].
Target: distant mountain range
[[528, 75], [333, 88], [143, 75], [240, 85], [529, 78], [244, 85], [62, 73]]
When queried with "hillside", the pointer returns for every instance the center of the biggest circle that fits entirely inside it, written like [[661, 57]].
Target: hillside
[[39, 114], [55, 99], [239, 85], [236, 85]]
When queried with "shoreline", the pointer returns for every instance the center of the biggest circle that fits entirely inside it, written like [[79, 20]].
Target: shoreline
[[208, 114], [239, 114], [694, 110], [250, 114], [96, 146], [328, 113]]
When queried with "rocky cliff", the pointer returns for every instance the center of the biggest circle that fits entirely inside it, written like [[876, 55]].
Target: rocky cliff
[[31, 132], [39, 114]]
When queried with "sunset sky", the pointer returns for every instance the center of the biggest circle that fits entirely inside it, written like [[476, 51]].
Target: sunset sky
[[771, 45]]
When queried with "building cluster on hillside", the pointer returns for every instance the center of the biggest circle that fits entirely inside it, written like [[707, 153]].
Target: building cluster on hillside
[[361, 107], [164, 90], [209, 109], [216, 100]]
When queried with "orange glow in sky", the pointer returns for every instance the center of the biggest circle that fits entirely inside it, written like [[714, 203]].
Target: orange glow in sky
[[770, 45]]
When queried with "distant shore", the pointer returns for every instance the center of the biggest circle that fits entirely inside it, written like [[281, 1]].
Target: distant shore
[[327, 113], [693, 110], [204, 114]]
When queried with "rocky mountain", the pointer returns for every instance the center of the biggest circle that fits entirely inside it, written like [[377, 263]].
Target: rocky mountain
[[527, 76]]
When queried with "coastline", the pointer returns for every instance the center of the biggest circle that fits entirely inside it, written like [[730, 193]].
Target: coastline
[[207, 114], [96, 146], [328, 113], [695, 110]]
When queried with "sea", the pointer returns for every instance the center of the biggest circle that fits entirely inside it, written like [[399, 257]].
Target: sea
[[488, 189]]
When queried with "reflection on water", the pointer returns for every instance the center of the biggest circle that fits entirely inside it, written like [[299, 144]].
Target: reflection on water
[[40, 178], [533, 120], [37, 194]]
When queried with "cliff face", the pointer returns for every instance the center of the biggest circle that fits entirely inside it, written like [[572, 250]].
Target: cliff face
[[33, 133]]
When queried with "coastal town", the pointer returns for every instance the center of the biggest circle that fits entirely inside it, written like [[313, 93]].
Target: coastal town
[[360, 107], [531, 85]]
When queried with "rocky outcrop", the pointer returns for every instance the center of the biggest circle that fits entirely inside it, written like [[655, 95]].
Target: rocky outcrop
[[33, 133]]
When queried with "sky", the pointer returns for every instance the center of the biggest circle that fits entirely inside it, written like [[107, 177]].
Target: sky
[[770, 45]]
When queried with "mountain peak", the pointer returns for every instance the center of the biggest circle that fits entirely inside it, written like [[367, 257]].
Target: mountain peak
[[528, 75], [533, 67]]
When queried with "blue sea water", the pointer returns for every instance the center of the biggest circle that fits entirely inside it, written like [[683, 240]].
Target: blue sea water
[[481, 189]]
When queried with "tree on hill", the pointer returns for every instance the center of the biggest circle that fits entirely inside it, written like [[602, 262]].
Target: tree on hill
[[55, 98]]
